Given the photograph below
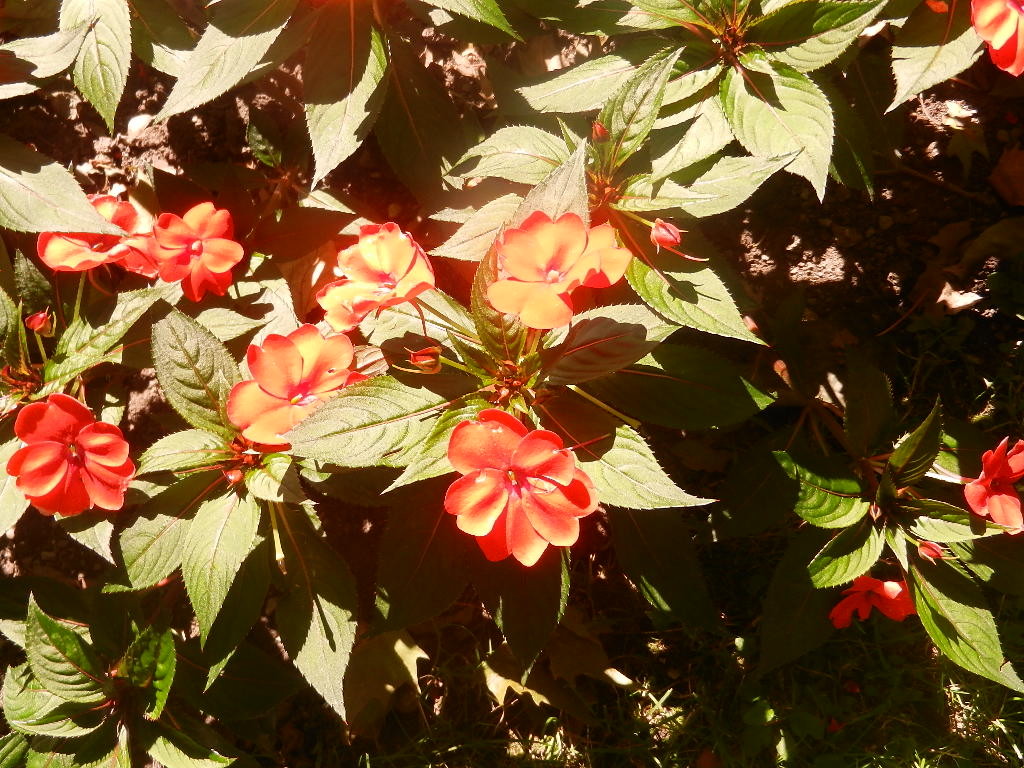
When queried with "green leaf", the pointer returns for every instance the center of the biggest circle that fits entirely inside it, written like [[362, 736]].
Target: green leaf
[[149, 664], [932, 47], [226, 324], [587, 85], [421, 568], [681, 291], [173, 749], [234, 42], [41, 57], [955, 616], [703, 131], [502, 336], [12, 501], [370, 423], [564, 190], [188, 449], [151, 540], [316, 616], [342, 83], [681, 387], [442, 314], [61, 660], [630, 113], [809, 34], [487, 11], [656, 551], [996, 560], [107, 747], [601, 341], [216, 543], [101, 67], [160, 37], [13, 747], [34, 291], [92, 529], [91, 340], [30, 708], [195, 371], [520, 153], [775, 110], [915, 453], [475, 237], [795, 613], [830, 494], [10, 330], [848, 555], [942, 522], [869, 410], [38, 195], [277, 479], [621, 465], [527, 603]]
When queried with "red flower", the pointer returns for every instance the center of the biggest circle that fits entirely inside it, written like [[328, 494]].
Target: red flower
[[386, 267], [140, 255], [666, 234], [293, 374], [520, 490], [890, 597], [543, 261], [197, 249], [992, 495], [40, 322], [70, 461], [598, 133], [1000, 23], [79, 251], [929, 550]]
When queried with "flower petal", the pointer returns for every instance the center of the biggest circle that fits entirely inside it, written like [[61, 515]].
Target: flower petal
[[488, 442], [103, 443], [59, 419], [276, 365], [39, 467], [478, 499], [526, 544], [538, 305], [541, 454]]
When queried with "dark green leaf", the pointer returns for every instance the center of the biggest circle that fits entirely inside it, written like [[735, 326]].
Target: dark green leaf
[[869, 410], [487, 11], [61, 660], [149, 663], [34, 291], [174, 749], [12, 501], [160, 37], [915, 453], [830, 494], [501, 335], [850, 554], [942, 522], [30, 708], [996, 560], [13, 747], [520, 153]]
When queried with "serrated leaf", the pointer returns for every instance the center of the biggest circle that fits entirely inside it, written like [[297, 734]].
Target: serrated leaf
[[195, 372], [683, 388], [487, 11], [502, 336], [234, 42], [564, 190], [29, 708], [149, 664], [216, 543], [830, 495], [13, 747], [942, 522], [107, 747], [316, 617], [189, 449], [953, 611], [869, 409], [442, 315], [809, 34], [775, 110], [277, 479], [41, 57], [101, 67], [932, 47], [173, 749], [655, 549], [520, 153], [92, 529], [704, 131], [916, 452], [226, 324], [850, 554], [368, 422], [475, 237], [630, 113], [342, 103], [38, 195], [33, 289], [160, 37], [62, 662]]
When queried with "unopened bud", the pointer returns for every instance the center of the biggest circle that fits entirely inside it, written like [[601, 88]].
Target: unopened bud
[[598, 133], [426, 360], [930, 551], [40, 322], [665, 234], [233, 476]]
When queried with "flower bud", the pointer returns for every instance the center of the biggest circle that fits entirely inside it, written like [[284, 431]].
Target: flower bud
[[929, 550], [426, 360], [233, 476], [598, 133], [665, 234], [40, 322]]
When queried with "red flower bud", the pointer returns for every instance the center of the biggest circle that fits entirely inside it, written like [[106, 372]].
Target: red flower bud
[[598, 133], [426, 360], [834, 726], [233, 476], [930, 551], [665, 234], [40, 322]]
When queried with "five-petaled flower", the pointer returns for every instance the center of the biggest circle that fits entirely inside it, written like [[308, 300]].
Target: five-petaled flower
[[386, 267], [520, 490], [543, 261], [70, 462], [292, 375], [79, 251], [197, 249], [890, 597], [1000, 23], [992, 495]]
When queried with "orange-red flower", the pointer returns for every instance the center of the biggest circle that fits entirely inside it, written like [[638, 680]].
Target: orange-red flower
[[386, 267], [519, 490], [293, 374], [890, 597], [992, 495], [543, 261], [70, 461], [197, 249], [79, 251], [1000, 23]]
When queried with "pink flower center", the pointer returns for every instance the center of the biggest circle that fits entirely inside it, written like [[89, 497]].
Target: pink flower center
[[301, 395], [1017, 5], [195, 248]]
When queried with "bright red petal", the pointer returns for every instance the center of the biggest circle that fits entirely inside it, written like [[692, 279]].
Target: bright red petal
[[541, 454], [478, 499], [488, 442], [59, 419]]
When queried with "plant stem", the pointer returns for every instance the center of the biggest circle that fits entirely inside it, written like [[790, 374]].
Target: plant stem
[[453, 364], [275, 508], [78, 298], [39, 343], [605, 407]]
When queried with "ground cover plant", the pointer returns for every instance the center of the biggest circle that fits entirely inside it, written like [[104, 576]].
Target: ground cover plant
[[499, 382]]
